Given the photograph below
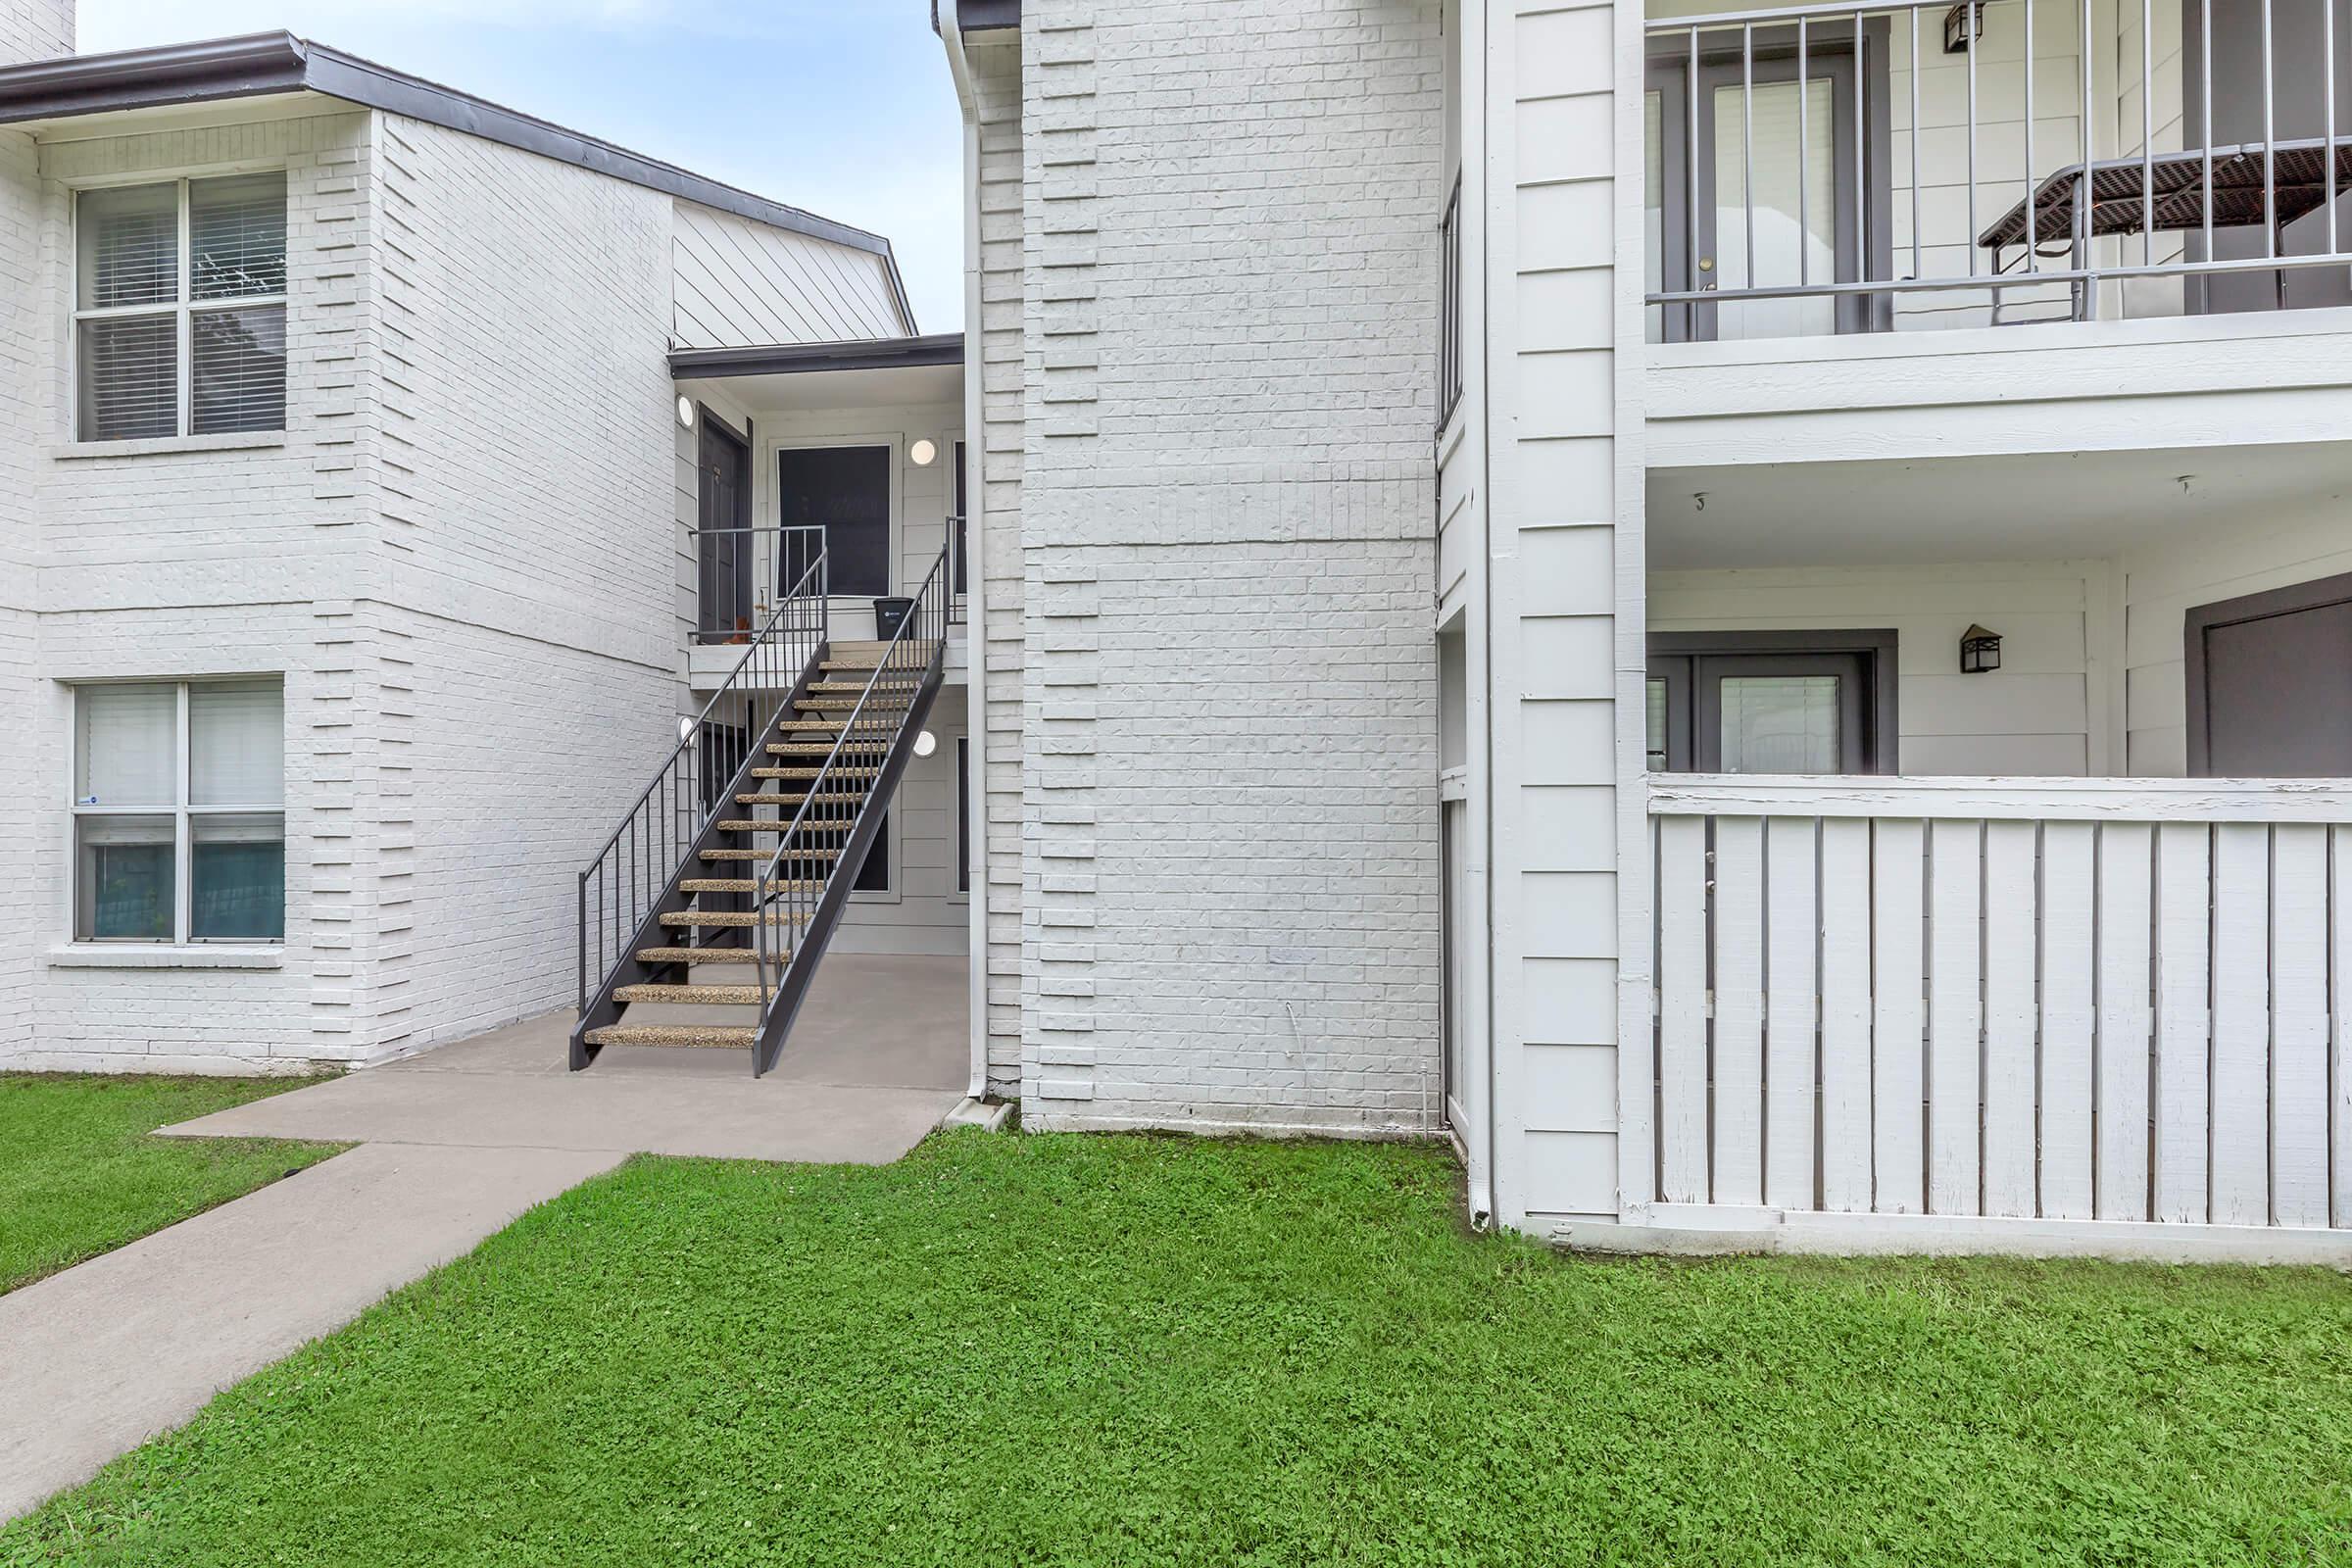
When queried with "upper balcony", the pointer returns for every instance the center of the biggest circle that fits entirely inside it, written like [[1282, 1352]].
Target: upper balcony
[[1875, 232]]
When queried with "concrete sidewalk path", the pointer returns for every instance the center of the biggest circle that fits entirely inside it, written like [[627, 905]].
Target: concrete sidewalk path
[[97, 1359], [454, 1144]]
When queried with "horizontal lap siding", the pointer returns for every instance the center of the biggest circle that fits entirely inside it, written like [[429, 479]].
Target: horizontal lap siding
[[2066, 1020]]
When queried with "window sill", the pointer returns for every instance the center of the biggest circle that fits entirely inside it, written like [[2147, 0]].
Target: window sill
[[163, 446], [164, 956]]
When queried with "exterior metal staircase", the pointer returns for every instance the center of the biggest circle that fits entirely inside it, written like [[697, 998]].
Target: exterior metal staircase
[[705, 915]]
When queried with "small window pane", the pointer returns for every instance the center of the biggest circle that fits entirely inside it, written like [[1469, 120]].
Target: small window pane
[[236, 743], [127, 243], [240, 369], [130, 379], [237, 877], [126, 746], [1656, 726], [122, 889], [237, 236], [1780, 724]]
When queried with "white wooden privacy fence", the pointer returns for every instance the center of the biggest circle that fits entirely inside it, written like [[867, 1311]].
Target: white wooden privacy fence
[[2102, 1000]]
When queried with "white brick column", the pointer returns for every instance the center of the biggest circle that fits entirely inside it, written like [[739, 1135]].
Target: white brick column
[[36, 29]]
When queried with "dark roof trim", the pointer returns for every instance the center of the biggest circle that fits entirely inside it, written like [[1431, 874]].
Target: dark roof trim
[[805, 359], [982, 15], [280, 63]]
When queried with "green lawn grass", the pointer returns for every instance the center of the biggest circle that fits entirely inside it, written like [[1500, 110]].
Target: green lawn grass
[[1010, 1349], [80, 1174]]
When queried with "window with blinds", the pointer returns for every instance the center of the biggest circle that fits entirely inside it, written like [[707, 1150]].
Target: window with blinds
[[180, 308], [180, 825]]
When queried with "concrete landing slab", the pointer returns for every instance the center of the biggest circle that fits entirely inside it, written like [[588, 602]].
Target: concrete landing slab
[[110, 1352], [454, 1143]]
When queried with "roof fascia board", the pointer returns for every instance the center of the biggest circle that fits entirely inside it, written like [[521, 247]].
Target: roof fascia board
[[806, 358], [262, 64]]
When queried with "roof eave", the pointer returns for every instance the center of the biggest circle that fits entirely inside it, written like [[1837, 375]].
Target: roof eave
[[810, 359], [264, 63]]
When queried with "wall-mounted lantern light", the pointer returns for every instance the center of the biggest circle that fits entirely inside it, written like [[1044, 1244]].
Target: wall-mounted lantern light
[[1979, 651], [1963, 26]]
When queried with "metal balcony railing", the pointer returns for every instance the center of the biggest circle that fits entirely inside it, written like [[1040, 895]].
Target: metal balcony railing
[[1891, 166]]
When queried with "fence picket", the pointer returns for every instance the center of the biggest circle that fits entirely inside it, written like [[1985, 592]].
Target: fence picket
[[2240, 1139], [2183, 895], [2299, 1024], [1955, 1016], [1845, 1048], [1791, 957], [1898, 1016], [1683, 1008], [1739, 1009], [2069, 946], [2126, 904], [2009, 1018]]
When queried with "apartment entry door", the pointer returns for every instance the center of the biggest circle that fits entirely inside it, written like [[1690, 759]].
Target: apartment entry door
[[1731, 140], [723, 540], [846, 492], [2270, 684]]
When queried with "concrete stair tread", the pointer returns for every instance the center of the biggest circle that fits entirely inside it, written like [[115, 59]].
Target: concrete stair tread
[[762, 854], [699, 956], [688, 1037], [809, 775], [718, 920], [691, 994], [749, 883]]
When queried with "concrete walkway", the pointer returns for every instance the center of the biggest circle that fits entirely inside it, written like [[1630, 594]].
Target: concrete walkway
[[456, 1143]]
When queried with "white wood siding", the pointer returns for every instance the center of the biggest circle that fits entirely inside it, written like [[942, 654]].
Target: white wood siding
[[2018, 1045], [741, 283], [2040, 714]]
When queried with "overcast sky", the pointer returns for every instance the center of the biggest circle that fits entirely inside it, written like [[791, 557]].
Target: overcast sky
[[843, 107]]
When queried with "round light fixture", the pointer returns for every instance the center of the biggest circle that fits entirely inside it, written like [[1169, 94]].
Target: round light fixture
[[685, 414], [925, 744], [685, 729], [922, 454]]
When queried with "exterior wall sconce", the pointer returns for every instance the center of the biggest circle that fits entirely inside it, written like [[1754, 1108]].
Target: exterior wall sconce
[[922, 454], [925, 743], [685, 414], [1979, 651], [1963, 26]]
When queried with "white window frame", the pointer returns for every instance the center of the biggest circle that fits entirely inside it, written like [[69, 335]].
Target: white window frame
[[184, 310], [182, 811]]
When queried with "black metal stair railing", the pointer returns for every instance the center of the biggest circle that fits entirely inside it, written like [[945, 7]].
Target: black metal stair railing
[[799, 894], [637, 872]]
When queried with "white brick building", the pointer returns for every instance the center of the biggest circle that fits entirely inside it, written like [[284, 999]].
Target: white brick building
[[1658, 595], [1525, 424], [455, 552]]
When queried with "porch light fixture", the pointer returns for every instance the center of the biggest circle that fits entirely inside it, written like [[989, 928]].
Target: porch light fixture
[[1963, 26], [922, 454], [925, 744], [685, 414], [1979, 651]]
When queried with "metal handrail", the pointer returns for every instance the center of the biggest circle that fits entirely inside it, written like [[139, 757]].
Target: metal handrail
[[791, 902], [785, 545], [635, 864]]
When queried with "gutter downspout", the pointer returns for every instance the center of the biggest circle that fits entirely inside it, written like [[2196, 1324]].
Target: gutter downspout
[[1482, 1194], [975, 507]]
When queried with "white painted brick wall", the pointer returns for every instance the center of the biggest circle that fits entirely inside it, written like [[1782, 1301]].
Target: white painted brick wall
[[1229, 873], [178, 564], [459, 555], [36, 29]]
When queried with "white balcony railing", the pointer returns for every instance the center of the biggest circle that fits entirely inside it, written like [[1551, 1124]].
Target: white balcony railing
[[1876, 168], [2038, 999]]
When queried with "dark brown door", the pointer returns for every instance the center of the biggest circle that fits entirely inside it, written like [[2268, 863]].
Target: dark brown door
[[2270, 684], [723, 546]]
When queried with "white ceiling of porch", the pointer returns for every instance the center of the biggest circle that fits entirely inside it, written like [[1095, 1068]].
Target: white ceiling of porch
[[2035, 507]]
